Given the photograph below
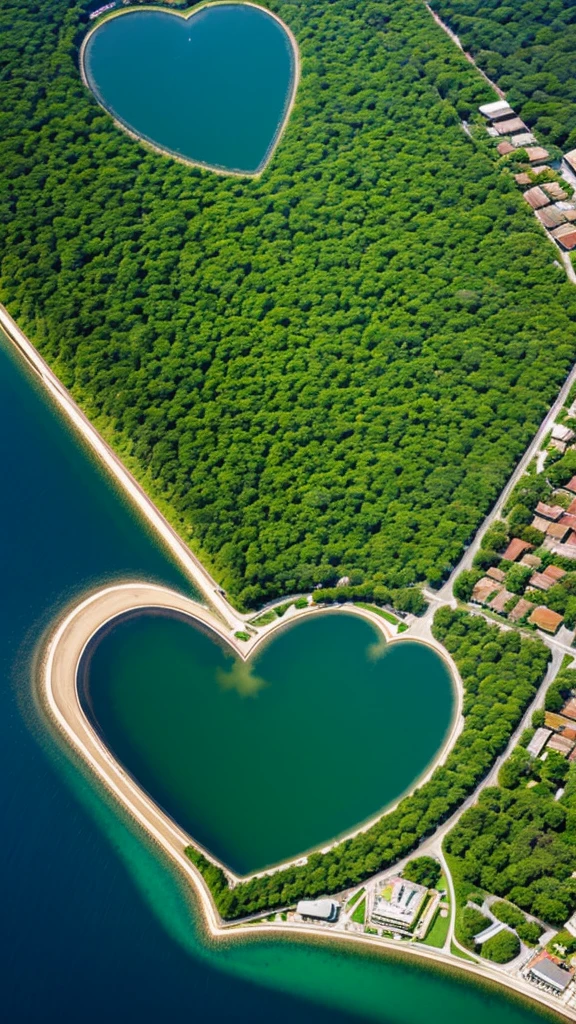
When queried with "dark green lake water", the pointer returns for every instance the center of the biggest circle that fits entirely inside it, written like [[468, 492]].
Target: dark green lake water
[[95, 927], [213, 88], [263, 760]]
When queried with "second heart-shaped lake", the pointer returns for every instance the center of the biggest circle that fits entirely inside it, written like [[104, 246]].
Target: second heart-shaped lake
[[262, 760], [214, 87]]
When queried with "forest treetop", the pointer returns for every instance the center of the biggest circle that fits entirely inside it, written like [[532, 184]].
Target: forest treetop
[[328, 371]]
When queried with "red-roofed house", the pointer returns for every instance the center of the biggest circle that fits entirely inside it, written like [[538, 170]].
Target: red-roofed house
[[553, 512], [571, 485], [554, 572], [544, 618], [516, 548]]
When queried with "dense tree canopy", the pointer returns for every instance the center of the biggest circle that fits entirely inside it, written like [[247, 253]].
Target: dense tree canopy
[[520, 843], [329, 370], [500, 671], [529, 48]]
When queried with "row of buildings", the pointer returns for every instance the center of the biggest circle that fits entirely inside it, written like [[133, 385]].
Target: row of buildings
[[557, 526], [558, 732], [550, 201]]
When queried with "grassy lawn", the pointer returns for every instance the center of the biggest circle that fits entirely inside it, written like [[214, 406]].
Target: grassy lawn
[[378, 611], [263, 620], [360, 913], [438, 931], [463, 956], [355, 897]]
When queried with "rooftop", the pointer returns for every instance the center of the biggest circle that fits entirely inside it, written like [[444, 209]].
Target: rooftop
[[550, 217], [546, 969], [496, 574], [557, 531], [571, 486], [520, 610], [536, 197], [555, 190], [516, 548], [484, 589], [398, 901], [544, 618], [511, 126], [549, 511], [561, 744], [498, 603], [536, 153], [324, 910], [504, 148], [538, 741], [541, 581], [491, 110]]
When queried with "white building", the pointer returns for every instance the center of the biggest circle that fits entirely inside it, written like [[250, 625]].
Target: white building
[[320, 910], [398, 904]]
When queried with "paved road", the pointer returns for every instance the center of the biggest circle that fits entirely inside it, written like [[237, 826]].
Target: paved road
[[445, 593]]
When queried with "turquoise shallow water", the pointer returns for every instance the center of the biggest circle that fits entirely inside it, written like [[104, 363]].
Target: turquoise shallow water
[[213, 88], [263, 760], [95, 927]]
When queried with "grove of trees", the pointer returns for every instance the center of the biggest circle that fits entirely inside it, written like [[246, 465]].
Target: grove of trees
[[519, 843], [330, 370]]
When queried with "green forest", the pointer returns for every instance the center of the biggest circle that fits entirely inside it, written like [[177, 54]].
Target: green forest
[[528, 47], [331, 370], [500, 672], [519, 842]]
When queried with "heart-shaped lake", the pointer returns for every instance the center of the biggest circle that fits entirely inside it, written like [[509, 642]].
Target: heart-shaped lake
[[262, 760], [214, 87]]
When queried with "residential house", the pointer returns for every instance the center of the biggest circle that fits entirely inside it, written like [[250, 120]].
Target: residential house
[[496, 574], [485, 589], [539, 523], [558, 532], [536, 154], [538, 741], [536, 197], [561, 745], [565, 235], [554, 190], [511, 126], [516, 548], [553, 512], [544, 618], [498, 603], [504, 148], [521, 610], [570, 160], [532, 561]]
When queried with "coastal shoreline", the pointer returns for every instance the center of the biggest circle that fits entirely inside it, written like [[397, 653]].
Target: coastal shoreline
[[186, 15], [60, 698]]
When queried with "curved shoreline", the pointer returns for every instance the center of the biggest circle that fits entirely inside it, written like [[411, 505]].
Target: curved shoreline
[[186, 15], [60, 697]]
